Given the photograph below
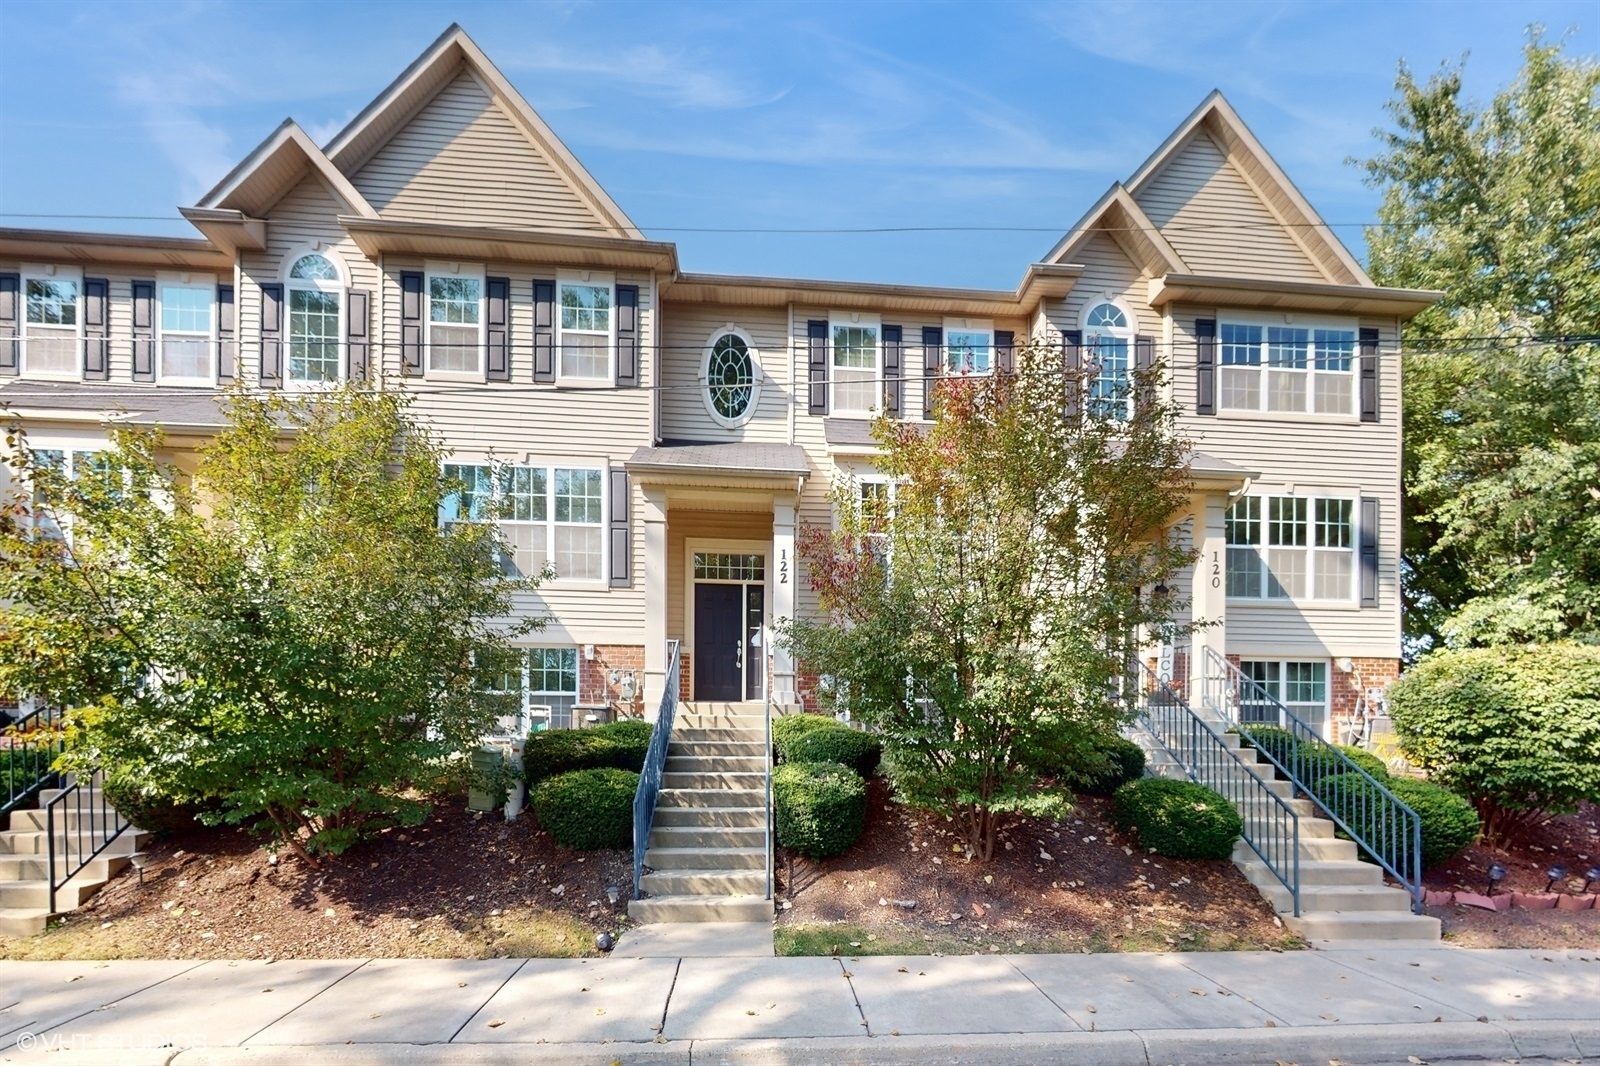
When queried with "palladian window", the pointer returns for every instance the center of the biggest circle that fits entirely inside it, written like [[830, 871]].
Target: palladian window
[[315, 297]]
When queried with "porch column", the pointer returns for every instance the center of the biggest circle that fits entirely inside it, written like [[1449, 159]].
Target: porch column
[[655, 598], [1210, 579], [783, 582]]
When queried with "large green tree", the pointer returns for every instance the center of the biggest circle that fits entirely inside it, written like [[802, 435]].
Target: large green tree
[[283, 637], [981, 615], [1498, 206]]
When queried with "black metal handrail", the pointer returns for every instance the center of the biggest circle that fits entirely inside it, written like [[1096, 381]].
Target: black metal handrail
[[1271, 825], [28, 751], [79, 825], [1379, 822], [655, 764]]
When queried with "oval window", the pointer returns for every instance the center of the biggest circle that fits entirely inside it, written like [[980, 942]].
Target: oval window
[[730, 377]]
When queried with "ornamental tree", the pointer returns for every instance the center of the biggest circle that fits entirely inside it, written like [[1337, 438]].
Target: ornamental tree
[[282, 637], [981, 615]]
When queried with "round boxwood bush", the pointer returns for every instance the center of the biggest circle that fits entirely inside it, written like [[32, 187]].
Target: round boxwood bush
[[788, 728], [1269, 740], [1118, 760], [1179, 819], [1310, 762], [1449, 822], [1367, 761], [837, 743], [586, 809], [621, 745], [821, 807]]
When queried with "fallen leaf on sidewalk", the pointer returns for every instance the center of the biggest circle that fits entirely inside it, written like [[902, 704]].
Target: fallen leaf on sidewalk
[[1197, 991], [1327, 1017], [1415, 1061], [750, 1012], [495, 1023], [1092, 1009], [848, 974], [903, 970], [599, 1010], [1271, 1024]]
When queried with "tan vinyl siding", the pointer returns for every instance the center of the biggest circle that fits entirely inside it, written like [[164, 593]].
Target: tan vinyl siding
[[686, 525], [462, 159], [1216, 222], [1107, 271], [687, 332]]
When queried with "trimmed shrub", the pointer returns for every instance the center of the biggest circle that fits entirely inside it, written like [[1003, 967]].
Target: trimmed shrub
[[821, 807], [1118, 761], [1310, 761], [587, 809], [788, 728], [1367, 761], [854, 748], [1269, 740], [1449, 823], [149, 811], [620, 745], [1179, 819]]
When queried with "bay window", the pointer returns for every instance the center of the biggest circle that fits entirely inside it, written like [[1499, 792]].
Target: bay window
[[547, 516], [1291, 548], [1287, 369], [455, 338], [187, 340], [51, 326], [856, 361], [586, 321]]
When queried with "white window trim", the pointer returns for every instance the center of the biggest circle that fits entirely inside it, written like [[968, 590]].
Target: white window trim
[[338, 288], [1310, 325], [858, 319], [595, 278], [70, 448], [756, 376], [50, 272], [1128, 333], [1328, 674], [967, 325], [550, 466], [452, 270], [188, 281], [1352, 599]]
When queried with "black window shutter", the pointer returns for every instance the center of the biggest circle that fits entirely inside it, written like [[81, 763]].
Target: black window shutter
[[817, 363], [1144, 363], [357, 334], [893, 385], [1369, 552], [1205, 366], [10, 320], [627, 336], [144, 331], [1369, 375], [96, 329], [410, 323], [932, 358], [1005, 350], [271, 336], [544, 331], [227, 334], [1072, 360], [497, 324], [621, 543]]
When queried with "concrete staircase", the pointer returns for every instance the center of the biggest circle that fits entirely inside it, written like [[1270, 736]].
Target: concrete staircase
[[1341, 897], [707, 857], [25, 859]]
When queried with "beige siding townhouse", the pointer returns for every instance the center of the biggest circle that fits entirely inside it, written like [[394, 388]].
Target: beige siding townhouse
[[659, 436]]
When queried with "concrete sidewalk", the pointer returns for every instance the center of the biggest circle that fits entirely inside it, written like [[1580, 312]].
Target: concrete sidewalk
[[1390, 1005]]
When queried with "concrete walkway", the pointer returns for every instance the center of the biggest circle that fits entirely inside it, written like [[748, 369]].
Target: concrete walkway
[[1389, 1005]]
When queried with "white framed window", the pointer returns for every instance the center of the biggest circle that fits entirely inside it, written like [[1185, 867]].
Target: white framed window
[[316, 319], [1291, 548], [539, 686], [732, 374], [1301, 686], [1288, 369], [52, 323], [586, 327], [548, 516], [968, 346], [876, 497], [1108, 330], [455, 339], [856, 356], [187, 322], [71, 464]]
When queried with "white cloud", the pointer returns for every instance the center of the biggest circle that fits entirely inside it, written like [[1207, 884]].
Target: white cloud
[[198, 148]]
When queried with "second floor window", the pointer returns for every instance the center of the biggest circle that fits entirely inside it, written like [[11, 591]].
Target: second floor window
[[50, 327], [855, 359], [455, 325], [585, 331], [546, 515], [315, 336], [1291, 548], [1287, 369], [1107, 352], [186, 338], [967, 351]]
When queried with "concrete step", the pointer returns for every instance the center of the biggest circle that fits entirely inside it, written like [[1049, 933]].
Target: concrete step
[[695, 734], [751, 908], [91, 795], [708, 817], [711, 797], [707, 836], [1312, 849], [1364, 925], [68, 818], [35, 842], [710, 748], [33, 867], [1315, 873], [692, 764], [1344, 899], [36, 894], [753, 722], [722, 707], [22, 922], [737, 781], [707, 858], [706, 883]]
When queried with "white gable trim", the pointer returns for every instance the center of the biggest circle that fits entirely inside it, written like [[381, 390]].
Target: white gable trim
[[1138, 237], [288, 137]]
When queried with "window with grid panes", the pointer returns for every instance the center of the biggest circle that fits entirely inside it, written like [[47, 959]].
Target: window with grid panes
[[855, 356], [522, 500], [50, 326], [455, 324], [585, 331], [1291, 548], [1287, 369]]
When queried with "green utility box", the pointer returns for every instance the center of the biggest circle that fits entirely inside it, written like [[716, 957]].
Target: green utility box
[[486, 764]]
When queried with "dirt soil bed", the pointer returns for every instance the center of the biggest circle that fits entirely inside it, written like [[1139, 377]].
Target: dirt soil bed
[[459, 886], [1572, 841], [1073, 886]]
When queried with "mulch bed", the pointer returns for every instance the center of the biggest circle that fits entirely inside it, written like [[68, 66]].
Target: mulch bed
[[460, 885], [1076, 885], [1571, 840]]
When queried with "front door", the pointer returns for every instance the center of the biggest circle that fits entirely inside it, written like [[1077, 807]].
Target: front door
[[719, 612]]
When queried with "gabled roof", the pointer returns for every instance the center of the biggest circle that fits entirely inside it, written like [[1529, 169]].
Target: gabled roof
[[1117, 215], [276, 166], [419, 83], [1218, 119]]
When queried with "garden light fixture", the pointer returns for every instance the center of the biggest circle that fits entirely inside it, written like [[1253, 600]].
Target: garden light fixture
[[1497, 873], [1590, 878], [612, 892], [1555, 873]]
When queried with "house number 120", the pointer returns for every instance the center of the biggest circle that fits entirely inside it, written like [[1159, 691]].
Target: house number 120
[[1216, 571]]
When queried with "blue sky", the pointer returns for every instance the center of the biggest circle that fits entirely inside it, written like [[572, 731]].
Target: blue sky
[[767, 116]]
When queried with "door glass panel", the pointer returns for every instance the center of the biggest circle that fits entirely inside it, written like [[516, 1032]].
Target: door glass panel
[[755, 656]]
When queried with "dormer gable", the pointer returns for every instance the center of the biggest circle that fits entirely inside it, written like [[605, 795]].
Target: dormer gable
[[1118, 217], [275, 166]]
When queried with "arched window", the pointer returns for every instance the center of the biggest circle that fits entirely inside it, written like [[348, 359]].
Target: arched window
[[733, 380], [316, 299], [1108, 348]]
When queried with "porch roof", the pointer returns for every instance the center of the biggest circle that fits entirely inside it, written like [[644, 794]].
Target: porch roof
[[743, 464], [155, 405]]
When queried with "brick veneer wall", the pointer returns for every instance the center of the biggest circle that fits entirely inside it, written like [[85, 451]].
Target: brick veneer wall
[[1347, 690], [594, 676]]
